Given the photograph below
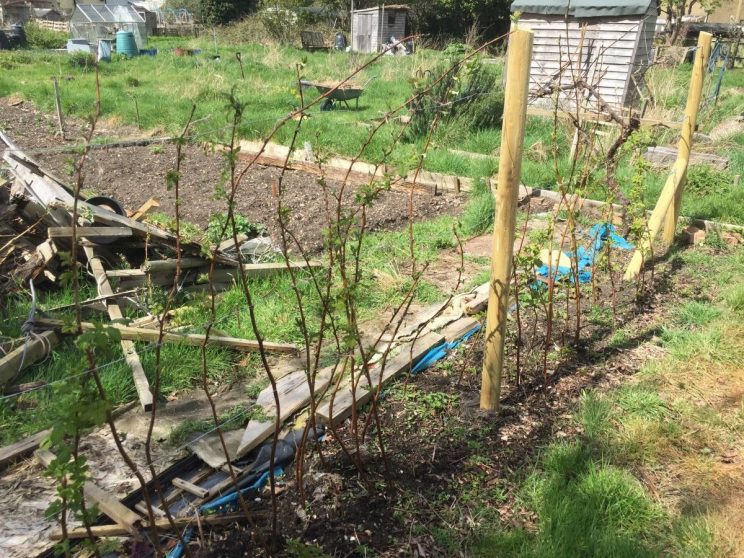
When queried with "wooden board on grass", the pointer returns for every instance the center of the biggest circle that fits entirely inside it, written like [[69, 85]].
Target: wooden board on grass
[[345, 398], [22, 447], [196, 339], [294, 394]]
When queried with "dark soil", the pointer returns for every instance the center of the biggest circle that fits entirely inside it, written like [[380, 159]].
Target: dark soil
[[134, 174]]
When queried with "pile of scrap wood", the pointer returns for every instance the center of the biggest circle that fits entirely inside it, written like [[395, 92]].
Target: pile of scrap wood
[[37, 211], [202, 490]]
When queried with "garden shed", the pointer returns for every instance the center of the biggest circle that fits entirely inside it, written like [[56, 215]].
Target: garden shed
[[607, 43], [102, 21], [373, 27]]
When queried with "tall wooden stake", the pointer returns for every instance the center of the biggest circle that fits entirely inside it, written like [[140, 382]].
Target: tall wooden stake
[[510, 164], [58, 103], [688, 129], [666, 211]]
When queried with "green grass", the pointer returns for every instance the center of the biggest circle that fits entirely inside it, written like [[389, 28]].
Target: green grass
[[270, 93], [584, 491], [478, 215], [386, 280]]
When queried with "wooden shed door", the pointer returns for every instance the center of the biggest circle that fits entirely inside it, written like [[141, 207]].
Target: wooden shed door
[[363, 32]]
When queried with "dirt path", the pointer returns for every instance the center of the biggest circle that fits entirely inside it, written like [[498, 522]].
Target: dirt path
[[134, 174]]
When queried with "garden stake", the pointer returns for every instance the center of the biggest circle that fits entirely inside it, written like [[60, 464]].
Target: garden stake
[[667, 207], [512, 139], [685, 142], [58, 104]]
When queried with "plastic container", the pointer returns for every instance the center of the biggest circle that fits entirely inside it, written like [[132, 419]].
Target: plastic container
[[125, 44]]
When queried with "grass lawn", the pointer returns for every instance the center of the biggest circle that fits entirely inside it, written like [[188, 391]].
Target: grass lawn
[[157, 93], [648, 471], [384, 259]]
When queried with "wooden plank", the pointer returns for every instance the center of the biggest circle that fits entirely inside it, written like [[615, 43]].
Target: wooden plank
[[89, 232], [112, 507], [294, 394], [223, 274], [191, 488], [141, 384], [345, 398], [127, 519], [171, 264], [22, 448], [94, 300], [102, 531], [142, 508], [145, 208], [149, 335], [20, 358], [458, 328]]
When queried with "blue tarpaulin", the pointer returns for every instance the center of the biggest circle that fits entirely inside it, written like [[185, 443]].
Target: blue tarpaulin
[[599, 235]]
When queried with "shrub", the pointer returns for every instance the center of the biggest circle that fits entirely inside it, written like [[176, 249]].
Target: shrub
[[82, 60], [469, 98], [242, 226], [704, 180], [40, 37]]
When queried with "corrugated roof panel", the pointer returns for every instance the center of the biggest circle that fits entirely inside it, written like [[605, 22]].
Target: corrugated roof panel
[[109, 13]]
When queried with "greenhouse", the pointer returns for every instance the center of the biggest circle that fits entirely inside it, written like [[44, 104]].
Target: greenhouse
[[101, 21]]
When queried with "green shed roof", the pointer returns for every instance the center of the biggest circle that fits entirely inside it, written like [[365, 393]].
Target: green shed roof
[[583, 8]]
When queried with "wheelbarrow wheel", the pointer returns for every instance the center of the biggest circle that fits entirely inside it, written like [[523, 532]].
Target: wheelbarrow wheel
[[327, 104]]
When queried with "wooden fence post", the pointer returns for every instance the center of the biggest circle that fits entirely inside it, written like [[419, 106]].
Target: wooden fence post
[[510, 163], [667, 207], [688, 129]]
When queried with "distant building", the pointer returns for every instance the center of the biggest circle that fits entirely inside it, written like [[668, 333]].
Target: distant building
[[48, 14], [607, 43], [14, 12], [373, 27]]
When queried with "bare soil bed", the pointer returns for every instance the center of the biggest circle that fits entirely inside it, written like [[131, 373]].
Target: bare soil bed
[[132, 175]]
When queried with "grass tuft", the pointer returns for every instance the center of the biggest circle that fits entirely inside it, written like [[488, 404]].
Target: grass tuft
[[480, 211]]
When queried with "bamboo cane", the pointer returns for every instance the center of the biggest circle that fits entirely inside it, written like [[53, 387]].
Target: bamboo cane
[[666, 211], [512, 140]]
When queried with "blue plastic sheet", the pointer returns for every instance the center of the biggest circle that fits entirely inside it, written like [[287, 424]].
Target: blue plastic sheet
[[222, 505], [599, 235], [440, 351]]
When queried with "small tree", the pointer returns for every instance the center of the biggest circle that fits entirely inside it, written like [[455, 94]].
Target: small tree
[[676, 9]]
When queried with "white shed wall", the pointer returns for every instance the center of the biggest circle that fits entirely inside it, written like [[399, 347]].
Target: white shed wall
[[603, 51]]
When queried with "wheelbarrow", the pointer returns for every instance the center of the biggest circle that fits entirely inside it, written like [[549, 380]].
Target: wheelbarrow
[[337, 92]]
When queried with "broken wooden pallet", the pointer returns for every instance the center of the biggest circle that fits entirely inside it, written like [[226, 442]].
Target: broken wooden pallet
[[127, 519], [102, 531], [22, 448], [141, 384], [161, 273]]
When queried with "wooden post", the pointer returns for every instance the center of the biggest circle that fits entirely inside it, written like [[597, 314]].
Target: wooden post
[[684, 147], [510, 163], [58, 103], [666, 211], [737, 22], [141, 383]]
